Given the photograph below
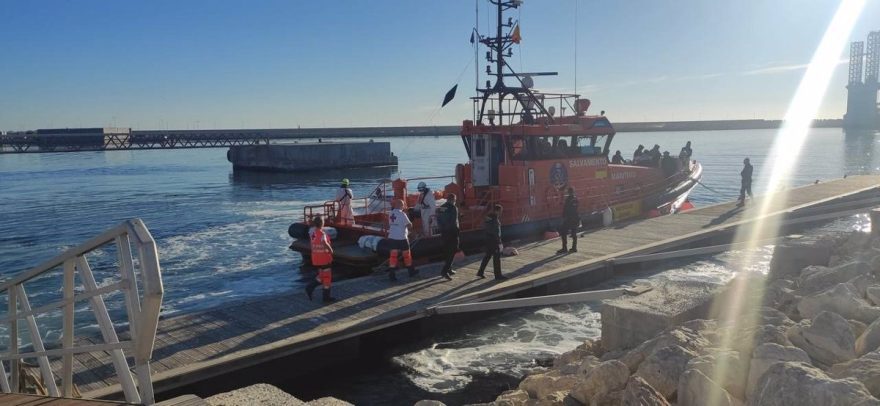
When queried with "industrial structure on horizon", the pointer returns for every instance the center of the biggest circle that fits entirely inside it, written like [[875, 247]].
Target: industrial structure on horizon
[[862, 111]]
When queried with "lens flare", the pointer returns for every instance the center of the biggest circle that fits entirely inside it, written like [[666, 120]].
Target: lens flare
[[737, 309]]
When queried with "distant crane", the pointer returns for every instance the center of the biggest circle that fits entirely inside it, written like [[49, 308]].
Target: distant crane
[[862, 112]]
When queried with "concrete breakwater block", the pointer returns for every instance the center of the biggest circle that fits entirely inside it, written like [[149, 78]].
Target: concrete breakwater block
[[630, 320], [796, 253]]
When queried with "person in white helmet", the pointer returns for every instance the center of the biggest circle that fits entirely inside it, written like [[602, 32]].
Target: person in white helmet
[[343, 198], [427, 207]]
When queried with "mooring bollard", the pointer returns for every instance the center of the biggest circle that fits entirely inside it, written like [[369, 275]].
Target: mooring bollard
[[875, 222]]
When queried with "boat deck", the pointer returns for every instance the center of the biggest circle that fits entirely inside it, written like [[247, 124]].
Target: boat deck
[[194, 347]]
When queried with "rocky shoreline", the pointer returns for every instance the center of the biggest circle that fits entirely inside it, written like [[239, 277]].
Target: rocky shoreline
[[807, 333]]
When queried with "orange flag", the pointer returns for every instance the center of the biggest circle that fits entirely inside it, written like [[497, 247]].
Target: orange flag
[[515, 37]]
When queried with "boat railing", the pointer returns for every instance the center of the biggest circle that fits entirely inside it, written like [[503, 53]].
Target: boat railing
[[138, 277], [514, 109]]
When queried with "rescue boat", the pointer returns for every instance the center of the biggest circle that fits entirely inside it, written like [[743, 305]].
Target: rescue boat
[[522, 155]]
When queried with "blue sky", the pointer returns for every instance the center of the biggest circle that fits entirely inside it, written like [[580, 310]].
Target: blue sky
[[230, 64]]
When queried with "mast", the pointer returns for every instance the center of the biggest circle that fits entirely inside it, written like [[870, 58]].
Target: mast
[[501, 46]]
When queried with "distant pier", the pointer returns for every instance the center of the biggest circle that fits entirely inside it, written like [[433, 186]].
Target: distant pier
[[112, 139]]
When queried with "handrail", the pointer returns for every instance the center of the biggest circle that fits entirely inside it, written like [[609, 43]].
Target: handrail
[[143, 292]]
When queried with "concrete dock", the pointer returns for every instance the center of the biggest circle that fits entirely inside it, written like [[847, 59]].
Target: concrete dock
[[198, 347], [311, 156]]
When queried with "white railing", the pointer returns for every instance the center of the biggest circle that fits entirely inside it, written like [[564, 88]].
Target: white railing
[[141, 308]]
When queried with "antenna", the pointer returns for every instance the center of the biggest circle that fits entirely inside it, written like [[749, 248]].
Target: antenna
[[575, 46]]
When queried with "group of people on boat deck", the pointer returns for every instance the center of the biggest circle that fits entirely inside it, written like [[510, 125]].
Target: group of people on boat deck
[[653, 158]]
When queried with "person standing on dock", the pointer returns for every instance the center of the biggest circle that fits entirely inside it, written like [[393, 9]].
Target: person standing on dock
[[447, 219], [398, 233], [343, 197], [427, 208], [746, 187], [570, 222], [492, 231], [322, 257]]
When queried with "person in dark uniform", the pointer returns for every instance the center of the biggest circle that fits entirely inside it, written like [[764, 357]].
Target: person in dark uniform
[[492, 230], [570, 222], [746, 186], [447, 219], [617, 159]]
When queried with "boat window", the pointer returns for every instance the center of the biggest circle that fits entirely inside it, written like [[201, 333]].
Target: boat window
[[588, 145], [601, 122], [517, 147], [480, 147]]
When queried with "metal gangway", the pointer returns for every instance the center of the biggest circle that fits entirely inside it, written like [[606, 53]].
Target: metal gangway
[[137, 276]]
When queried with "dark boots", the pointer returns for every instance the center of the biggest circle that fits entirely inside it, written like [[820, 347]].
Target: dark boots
[[392, 276], [310, 288], [574, 244], [413, 272]]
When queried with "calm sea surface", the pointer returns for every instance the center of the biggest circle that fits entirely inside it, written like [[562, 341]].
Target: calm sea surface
[[223, 236]]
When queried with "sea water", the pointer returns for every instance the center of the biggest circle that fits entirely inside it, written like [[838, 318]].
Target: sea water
[[222, 236]]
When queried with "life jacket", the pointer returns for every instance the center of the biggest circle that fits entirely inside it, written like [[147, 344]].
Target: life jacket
[[320, 254]]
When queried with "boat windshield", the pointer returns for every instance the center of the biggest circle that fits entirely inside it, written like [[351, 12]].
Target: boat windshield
[[530, 148]]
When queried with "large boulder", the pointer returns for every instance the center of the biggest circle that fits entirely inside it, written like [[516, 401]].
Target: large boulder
[[767, 355], [540, 386], [828, 339], [790, 257], [260, 393], [516, 397], [608, 376], [662, 368], [794, 383], [863, 282], [726, 368], [684, 336], [842, 299], [744, 340], [869, 340], [587, 365], [696, 389], [640, 393], [608, 399], [631, 320], [818, 278], [873, 294], [865, 369]]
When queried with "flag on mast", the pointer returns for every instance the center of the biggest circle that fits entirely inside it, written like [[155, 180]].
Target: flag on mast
[[516, 37], [449, 95], [472, 36]]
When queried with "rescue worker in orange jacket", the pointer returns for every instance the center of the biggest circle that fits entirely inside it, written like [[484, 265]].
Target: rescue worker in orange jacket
[[322, 258], [398, 232]]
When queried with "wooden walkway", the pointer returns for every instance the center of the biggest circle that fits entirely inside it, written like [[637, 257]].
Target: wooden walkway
[[193, 347]]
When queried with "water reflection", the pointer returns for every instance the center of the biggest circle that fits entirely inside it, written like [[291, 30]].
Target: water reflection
[[859, 152]]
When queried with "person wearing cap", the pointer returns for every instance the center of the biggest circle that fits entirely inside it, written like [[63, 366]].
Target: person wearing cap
[[343, 199], [398, 233], [322, 258], [427, 208], [450, 231]]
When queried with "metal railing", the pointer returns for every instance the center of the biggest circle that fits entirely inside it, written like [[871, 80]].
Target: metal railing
[[143, 300]]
